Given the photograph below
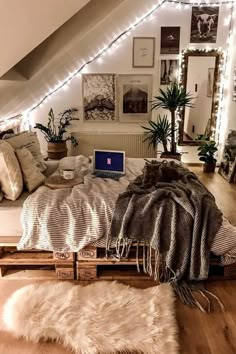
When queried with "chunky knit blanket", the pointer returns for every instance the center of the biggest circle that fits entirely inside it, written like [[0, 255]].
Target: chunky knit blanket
[[168, 208]]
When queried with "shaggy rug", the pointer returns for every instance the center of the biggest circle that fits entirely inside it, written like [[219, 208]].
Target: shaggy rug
[[103, 317]]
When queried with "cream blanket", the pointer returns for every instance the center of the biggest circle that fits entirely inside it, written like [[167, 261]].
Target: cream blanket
[[70, 219]]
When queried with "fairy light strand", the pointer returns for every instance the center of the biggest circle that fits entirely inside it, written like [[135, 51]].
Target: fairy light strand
[[114, 41]]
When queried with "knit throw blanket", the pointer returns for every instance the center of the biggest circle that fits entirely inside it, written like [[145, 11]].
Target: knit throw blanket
[[170, 210]]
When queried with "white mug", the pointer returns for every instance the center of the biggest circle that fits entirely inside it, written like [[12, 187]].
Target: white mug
[[68, 173]]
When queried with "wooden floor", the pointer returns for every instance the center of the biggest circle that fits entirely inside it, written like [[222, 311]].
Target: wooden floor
[[199, 333]]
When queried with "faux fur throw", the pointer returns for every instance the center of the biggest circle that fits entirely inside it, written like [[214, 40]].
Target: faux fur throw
[[168, 208], [104, 317]]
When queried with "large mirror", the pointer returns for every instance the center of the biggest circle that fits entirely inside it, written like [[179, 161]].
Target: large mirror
[[200, 76]]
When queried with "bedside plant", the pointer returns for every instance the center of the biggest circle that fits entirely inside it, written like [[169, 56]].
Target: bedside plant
[[54, 132], [206, 152], [159, 132]]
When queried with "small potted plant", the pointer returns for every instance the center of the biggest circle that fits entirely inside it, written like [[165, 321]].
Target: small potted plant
[[158, 132], [173, 98], [206, 152], [54, 134]]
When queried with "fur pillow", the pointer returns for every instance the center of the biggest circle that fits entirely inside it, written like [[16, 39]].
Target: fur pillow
[[31, 142], [10, 173], [32, 176], [104, 317]]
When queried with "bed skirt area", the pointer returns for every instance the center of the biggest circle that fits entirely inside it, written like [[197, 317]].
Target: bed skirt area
[[89, 264]]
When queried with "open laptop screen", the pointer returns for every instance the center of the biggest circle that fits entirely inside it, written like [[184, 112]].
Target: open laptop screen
[[113, 161]]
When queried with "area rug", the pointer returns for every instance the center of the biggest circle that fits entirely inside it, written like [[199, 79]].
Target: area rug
[[103, 317]]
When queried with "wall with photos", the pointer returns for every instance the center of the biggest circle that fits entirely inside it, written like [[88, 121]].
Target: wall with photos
[[119, 61]]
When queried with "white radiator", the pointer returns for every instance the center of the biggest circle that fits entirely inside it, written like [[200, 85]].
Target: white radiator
[[132, 144]]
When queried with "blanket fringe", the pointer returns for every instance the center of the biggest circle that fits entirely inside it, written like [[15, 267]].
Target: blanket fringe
[[157, 268]]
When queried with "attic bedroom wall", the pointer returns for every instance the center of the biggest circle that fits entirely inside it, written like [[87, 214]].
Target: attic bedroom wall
[[119, 61]]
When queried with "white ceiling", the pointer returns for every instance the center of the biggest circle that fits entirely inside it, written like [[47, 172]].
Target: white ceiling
[[24, 24]]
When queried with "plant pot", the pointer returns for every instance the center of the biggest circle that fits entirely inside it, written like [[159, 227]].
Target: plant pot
[[57, 151], [209, 167], [170, 155]]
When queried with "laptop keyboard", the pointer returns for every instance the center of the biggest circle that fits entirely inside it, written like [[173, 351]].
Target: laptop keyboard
[[115, 176]]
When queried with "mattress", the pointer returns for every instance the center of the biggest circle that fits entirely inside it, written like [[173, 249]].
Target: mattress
[[10, 214]]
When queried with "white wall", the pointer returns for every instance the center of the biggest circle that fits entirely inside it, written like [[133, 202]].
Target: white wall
[[120, 61]]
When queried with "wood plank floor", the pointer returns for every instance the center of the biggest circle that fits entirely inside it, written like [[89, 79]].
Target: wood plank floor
[[199, 333]]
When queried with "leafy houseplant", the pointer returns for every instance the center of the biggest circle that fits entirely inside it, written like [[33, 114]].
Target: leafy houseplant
[[54, 132], [206, 153], [173, 98], [159, 132]]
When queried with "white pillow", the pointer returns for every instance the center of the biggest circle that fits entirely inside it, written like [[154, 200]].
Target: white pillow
[[32, 176], [30, 141], [10, 173]]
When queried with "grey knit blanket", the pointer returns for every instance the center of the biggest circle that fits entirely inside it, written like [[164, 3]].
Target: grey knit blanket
[[168, 208]]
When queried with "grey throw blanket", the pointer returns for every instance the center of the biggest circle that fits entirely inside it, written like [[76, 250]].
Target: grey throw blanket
[[169, 209]]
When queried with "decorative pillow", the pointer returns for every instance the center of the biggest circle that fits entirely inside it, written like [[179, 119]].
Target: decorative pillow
[[10, 173], [30, 141], [32, 176]]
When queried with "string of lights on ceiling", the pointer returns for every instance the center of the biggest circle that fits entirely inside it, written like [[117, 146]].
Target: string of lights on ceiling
[[118, 38]]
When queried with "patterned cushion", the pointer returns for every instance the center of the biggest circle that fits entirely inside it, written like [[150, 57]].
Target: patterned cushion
[[31, 142], [10, 173], [32, 176]]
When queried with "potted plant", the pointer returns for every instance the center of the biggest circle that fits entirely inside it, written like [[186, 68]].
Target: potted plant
[[159, 132], [173, 98], [206, 152], [54, 134]]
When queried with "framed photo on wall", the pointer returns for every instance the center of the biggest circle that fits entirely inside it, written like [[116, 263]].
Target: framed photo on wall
[[143, 52], [135, 94], [170, 38], [204, 24], [169, 70], [99, 97]]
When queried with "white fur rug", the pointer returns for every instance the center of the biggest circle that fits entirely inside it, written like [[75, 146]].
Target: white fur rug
[[103, 317]]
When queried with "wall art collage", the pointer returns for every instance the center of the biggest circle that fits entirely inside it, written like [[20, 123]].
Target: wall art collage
[[106, 94]]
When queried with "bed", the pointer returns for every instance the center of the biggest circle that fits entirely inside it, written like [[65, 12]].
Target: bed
[[89, 257]]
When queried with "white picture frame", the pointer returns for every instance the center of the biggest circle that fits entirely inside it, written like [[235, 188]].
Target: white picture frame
[[143, 52], [135, 94]]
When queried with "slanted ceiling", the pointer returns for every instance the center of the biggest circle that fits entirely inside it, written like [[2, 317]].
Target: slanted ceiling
[[25, 24]]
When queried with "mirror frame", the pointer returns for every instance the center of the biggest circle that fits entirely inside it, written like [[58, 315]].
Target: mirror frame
[[218, 54]]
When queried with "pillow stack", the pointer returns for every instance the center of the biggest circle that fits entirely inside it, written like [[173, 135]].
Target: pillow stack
[[20, 161]]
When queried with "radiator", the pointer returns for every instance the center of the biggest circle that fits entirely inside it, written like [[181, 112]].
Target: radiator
[[132, 144]]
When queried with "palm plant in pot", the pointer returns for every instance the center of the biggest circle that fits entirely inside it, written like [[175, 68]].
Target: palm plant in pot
[[158, 132], [173, 98], [54, 132], [207, 154]]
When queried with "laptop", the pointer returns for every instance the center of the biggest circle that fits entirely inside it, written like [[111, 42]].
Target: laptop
[[109, 163]]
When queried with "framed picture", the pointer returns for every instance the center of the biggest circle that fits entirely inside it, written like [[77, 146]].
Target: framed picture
[[210, 81], [227, 167], [169, 71], [143, 52], [99, 97], [234, 85], [170, 38], [135, 94], [204, 24]]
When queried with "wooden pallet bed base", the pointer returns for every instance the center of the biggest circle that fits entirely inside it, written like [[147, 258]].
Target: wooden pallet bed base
[[92, 264], [62, 263]]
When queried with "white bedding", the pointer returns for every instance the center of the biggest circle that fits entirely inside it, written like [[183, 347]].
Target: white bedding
[[53, 232]]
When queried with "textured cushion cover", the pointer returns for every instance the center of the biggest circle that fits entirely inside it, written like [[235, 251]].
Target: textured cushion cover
[[32, 176], [31, 142], [10, 173]]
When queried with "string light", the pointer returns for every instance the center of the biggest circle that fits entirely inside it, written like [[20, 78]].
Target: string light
[[113, 44]]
